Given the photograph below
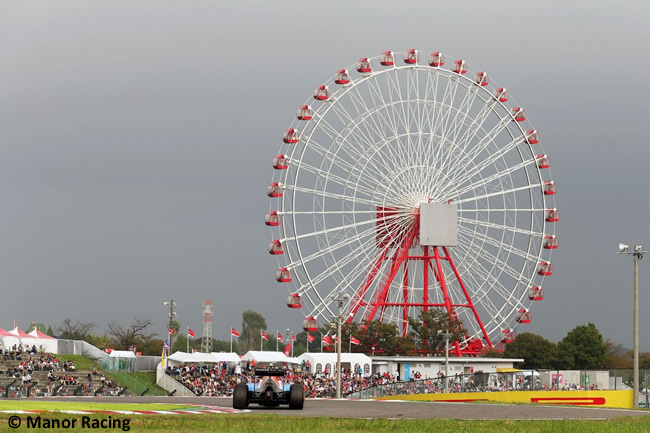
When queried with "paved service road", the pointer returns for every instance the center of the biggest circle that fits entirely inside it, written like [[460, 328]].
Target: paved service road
[[397, 409]]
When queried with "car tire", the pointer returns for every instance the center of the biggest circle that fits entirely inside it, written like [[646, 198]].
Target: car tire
[[296, 396], [240, 396]]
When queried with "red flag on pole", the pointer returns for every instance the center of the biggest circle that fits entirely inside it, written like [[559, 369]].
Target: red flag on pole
[[354, 340], [310, 338], [234, 332], [171, 331], [327, 339], [190, 332], [293, 337], [264, 336], [287, 350], [280, 339]]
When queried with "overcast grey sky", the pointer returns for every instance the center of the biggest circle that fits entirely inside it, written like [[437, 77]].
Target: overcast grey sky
[[136, 139]]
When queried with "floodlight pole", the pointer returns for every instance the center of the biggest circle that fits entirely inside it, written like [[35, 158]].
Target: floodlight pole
[[339, 300], [171, 304], [447, 361], [636, 329], [637, 255]]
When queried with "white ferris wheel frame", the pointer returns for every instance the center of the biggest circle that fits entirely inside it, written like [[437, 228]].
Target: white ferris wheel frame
[[386, 105]]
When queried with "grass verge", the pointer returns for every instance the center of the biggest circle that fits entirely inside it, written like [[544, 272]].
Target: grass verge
[[284, 424], [72, 406]]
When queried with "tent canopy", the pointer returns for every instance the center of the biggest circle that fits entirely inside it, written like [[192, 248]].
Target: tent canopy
[[325, 358], [199, 357], [122, 354], [38, 334], [269, 357], [18, 333]]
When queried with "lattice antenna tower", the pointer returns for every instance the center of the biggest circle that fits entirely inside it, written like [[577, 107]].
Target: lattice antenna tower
[[206, 340]]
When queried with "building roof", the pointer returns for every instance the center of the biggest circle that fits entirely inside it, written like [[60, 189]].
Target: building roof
[[324, 358]]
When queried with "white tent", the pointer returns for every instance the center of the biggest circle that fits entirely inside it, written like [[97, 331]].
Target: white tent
[[122, 354], [265, 357], [319, 362], [199, 357], [47, 343], [8, 339]]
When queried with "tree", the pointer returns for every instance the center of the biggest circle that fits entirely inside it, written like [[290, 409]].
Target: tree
[[38, 326], [49, 331], [618, 356], [100, 341], [74, 331], [379, 337], [224, 346], [537, 351], [135, 335], [430, 330], [582, 349], [252, 325]]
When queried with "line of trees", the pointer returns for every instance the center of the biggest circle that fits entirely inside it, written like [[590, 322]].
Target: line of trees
[[582, 348]]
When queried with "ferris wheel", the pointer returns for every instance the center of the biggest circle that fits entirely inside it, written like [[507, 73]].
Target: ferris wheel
[[413, 184]]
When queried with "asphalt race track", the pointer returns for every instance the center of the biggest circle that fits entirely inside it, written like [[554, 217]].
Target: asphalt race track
[[394, 409]]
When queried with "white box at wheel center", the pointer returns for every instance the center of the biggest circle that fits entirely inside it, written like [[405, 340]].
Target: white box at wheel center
[[438, 224]]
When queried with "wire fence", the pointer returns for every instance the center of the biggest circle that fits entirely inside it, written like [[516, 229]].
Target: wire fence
[[134, 386], [517, 380]]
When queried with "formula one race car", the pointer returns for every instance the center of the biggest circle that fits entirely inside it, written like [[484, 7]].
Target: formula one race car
[[268, 389]]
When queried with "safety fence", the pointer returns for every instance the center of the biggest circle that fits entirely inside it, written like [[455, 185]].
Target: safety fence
[[516, 380], [135, 386]]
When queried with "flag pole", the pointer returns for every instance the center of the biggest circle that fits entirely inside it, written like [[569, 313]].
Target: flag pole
[[231, 339], [350, 348], [321, 342], [188, 339], [261, 340], [277, 341], [308, 342], [292, 344]]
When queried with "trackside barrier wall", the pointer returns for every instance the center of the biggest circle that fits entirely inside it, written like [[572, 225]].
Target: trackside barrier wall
[[604, 398], [77, 347], [170, 384]]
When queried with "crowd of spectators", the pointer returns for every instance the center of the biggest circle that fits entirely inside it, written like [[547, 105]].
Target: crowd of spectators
[[220, 379], [24, 362]]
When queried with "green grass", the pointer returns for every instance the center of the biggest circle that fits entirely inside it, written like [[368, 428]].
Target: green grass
[[47, 406], [137, 382], [284, 424], [80, 361]]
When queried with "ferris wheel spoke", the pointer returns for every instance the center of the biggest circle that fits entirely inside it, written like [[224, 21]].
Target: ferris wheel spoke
[[346, 166], [345, 242], [508, 248], [499, 227], [524, 210], [503, 267], [462, 188], [348, 281], [498, 193], [479, 166], [469, 133], [334, 196], [330, 177], [498, 288], [461, 164]]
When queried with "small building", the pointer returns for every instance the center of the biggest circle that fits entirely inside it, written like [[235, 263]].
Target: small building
[[325, 363], [433, 366]]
